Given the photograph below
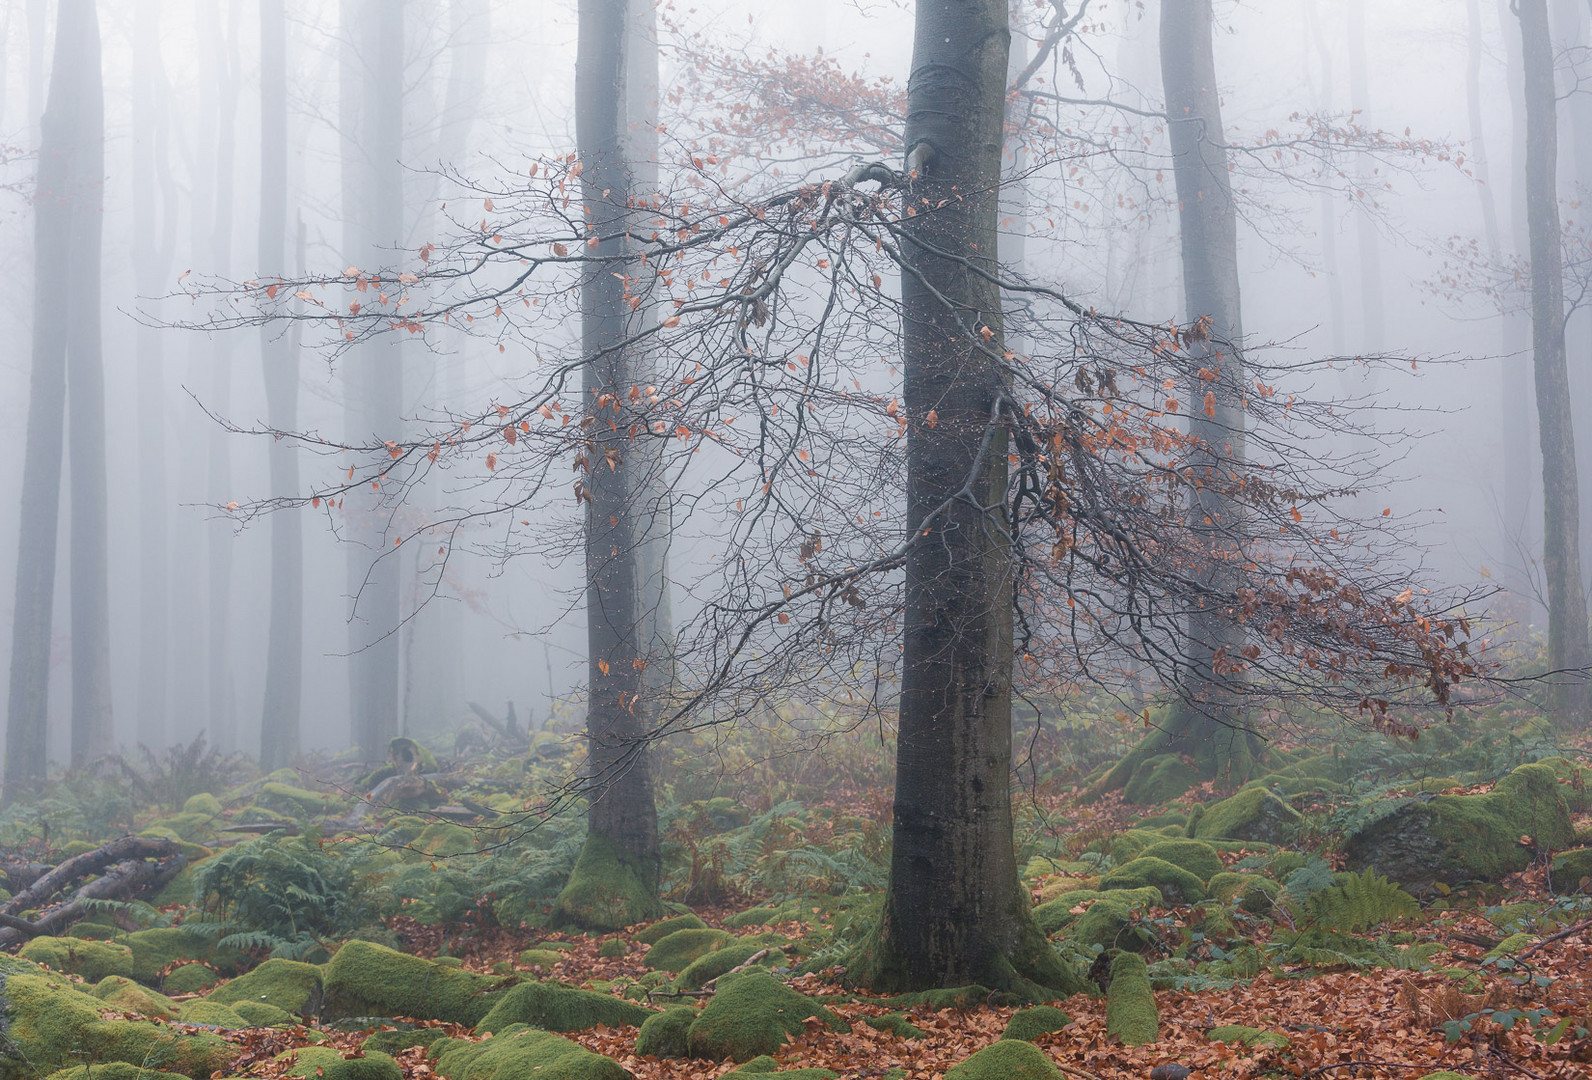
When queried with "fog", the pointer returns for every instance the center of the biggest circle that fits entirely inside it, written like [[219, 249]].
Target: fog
[[1343, 252]]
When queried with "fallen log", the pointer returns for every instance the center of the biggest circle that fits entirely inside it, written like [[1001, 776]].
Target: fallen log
[[78, 867], [126, 880]]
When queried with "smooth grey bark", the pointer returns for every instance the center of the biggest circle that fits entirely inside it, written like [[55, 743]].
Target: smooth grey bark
[[154, 244], [622, 842], [66, 242], [955, 912], [374, 385], [284, 657], [1569, 696]]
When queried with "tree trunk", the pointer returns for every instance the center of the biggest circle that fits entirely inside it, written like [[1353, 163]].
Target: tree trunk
[[1567, 617], [955, 911], [1373, 309], [66, 238], [284, 657], [615, 881]]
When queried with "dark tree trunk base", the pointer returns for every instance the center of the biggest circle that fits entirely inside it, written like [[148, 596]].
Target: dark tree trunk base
[[607, 890], [1225, 752]]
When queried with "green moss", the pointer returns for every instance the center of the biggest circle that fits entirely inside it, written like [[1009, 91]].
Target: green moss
[[1571, 868], [164, 947], [111, 1070], [542, 958], [764, 1065], [182, 889], [1510, 945], [445, 838], [1253, 893], [611, 948], [292, 799], [758, 916], [52, 1025], [1177, 885], [522, 1053], [189, 829], [1159, 779], [1008, 1059], [366, 979], [664, 1035], [93, 960], [553, 1007], [897, 1024], [1130, 1004], [1197, 857], [204, 803], [328, 1063], [1248, 1036], [263, 1014], [661, 929], [1125, 847], [718, 962], [92, 931], [395, 1042], [190, 979], [1030, 1024], [751, 1014], [675, 952], [1057, 914], [605, 891], [1285, 863], [1111, 924], [947, 997], [212, 1014], [1255, 814], [287, 984], [121, 993]]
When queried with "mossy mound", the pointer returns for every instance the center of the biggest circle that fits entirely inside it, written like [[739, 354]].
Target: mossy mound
[[52, 1025], [1008, 1059], [758, 916], [523, 1053], [611, 948], [444, 838], [1571, 868], [664, 1035], [1195, 856], [605, 891], [212, 1014], [1176, 884], [163, 947], [721, 961], [326, 1063], [1030, 1024], [182, 889], [1130, 1004], [190, 979], [121, 993], [203, 803], [1248, 1036], [752, 1014], [1126, 846], [661, 929], [553, 1007], [1255, 814], [1055, 915], [397, 1041], [263, 1014], [1159, 779], [289, 985], [897, 1024], [366, 979], [764, 1065], [111, 1070], [294, 800], [675, 952], [92, 931], [1450, 839], [542, 958], [1510, 945], [93, 960]]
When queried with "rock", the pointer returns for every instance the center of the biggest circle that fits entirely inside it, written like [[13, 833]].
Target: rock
[[93, 960], [1159, 779], [713, 964], [604, 891], [664, 1035], [1055, 915], [263, 1014], [163, 947], [675, 952], [542, 958], [522, 1053], [327, 1063], [1255, 814], [212, 1014], [757, 916], [1451, 839], [1195, 856], [112, 1070], [1110, 924], [1571, 868], [1008, 1059], [190, 979], [1248, 1036], [204, 803], [1169, 1071], [751, 1014], [554, 1007], [395, 1042], [611, 948], [1030, 1024], [664, 927], [1130, 1004], [365, 979], [1176, 884], [897, 1024], [1253, 893], [443, 838], [121, 993], [768, 1066], [291, 986]]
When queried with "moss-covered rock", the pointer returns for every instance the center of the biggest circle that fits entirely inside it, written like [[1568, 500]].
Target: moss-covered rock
[[328, 1063], [1159, 779], [553, 1007], [664, 1035], [1450, 839], [92, 931], [157, 949], [212, 1014], [1176, 884], [1195, 856], [263, 1014], [1253, 893], [1030, 1024], [1111, 924], [1510, 945], [675, 952], [713, 964], [541, 958], [764, 1065], [605, 891], [1056, 915], [661, 929], [366, 979], [611, 948], [121, 993], [203, 803], [289, 985], [190, 979], [757, 916], [93, 960], [751, 1014], [1008, 1059], [523, 1053], [1255, 814], [294, 800], [1248, 1036], [111, 1070], [897, 1024], [399, 1040], [444, 838], [1571, 868], [51, 1025], [1130, 1004], [1126, 846]]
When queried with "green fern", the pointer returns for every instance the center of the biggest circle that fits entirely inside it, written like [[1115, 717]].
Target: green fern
[[1356, 902]]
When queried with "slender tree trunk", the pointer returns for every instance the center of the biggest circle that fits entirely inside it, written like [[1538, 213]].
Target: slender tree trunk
[[955, 911], [1567, 614], [1519, 458], [284, 658], [615, 881], [66, 238], [1373, 308]]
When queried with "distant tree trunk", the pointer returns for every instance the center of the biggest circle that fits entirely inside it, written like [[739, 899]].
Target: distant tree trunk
[[66, 242], [1373, 308], [615, 881], [375, 377], [1567, 614], [154, 242], [284, 658], [1326, 201], [955, 911]]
